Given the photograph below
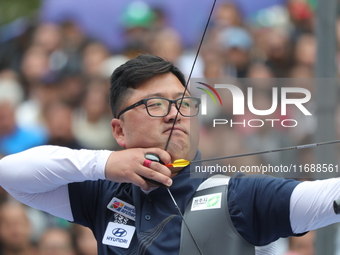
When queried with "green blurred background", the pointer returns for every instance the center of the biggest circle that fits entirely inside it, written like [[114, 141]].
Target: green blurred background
[[13, 9]]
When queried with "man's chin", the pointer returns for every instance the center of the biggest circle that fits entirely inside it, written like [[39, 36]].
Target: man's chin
[[178, 154]]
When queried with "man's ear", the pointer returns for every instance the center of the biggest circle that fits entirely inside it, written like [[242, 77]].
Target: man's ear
[[117, 131]]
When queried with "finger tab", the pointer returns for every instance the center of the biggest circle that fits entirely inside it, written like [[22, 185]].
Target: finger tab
[[147, 163]]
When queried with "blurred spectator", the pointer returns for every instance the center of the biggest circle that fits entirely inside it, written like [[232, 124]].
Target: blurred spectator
[[167, 44], [56, 241], [72, 35], [91, 121], [58, 118], [15, 230], [14, 137], [213, 57], [85, 242], [236, 43], [35, 65], [302, 15], [301, 71], [73, 41], [213, 68], [259, 70], [305, 50], [94, 54], [30, 112], [137, 20], [227, 15], [48, 36], [303, 245], [13, 49], [160, 19], [276, 46], [261, 78], [63, 44], [71, 88]]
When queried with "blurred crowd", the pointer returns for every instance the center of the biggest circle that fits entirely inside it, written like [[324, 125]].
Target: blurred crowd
[[54, 83]]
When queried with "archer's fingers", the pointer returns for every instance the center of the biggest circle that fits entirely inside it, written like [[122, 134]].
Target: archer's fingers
[[156, 173]]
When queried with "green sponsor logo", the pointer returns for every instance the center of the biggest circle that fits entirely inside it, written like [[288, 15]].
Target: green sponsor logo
[[213, 200]]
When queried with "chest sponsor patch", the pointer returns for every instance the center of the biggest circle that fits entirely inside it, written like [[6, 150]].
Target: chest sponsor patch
[[118, 235], [119, 206], [211, 201]]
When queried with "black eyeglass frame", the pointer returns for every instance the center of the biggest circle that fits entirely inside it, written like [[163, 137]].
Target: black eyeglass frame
[[144, 101]]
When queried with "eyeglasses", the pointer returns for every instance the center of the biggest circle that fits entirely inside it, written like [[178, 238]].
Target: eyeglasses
[[160, 107]]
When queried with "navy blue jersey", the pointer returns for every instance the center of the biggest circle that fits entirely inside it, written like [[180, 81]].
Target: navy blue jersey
[[259, 209]]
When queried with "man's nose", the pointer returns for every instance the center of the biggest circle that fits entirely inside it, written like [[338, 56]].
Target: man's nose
[[172, 114]]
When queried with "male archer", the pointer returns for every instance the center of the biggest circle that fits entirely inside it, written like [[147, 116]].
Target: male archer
[[107, 191]]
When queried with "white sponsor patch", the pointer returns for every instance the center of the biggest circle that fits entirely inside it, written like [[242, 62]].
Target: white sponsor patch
[[122, 208], [211, 201], [118, 235]]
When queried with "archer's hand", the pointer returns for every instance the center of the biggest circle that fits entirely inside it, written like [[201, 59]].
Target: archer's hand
[[127, 166]]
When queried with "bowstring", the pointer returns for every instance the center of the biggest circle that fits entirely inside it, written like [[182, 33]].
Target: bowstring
[[175, 120], [190, 74]]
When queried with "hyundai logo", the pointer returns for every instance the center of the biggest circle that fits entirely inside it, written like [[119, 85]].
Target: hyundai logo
[[119, 232]]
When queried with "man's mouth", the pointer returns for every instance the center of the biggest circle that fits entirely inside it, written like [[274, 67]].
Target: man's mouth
[[175, 129]]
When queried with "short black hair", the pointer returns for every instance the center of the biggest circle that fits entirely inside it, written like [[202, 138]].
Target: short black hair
[[134, 72]]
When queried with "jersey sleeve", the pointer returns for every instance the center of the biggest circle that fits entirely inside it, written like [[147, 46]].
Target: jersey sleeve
[[259, 207], [311, 204], [39, 176], [85, 198], [89, 201]]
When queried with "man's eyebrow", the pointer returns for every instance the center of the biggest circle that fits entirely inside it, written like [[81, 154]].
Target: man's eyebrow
[[178, 94]]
